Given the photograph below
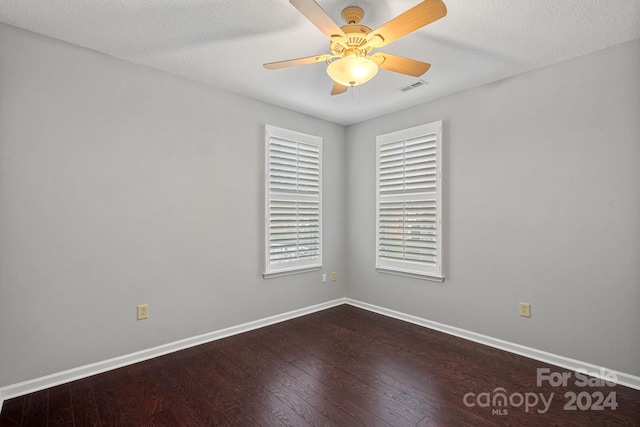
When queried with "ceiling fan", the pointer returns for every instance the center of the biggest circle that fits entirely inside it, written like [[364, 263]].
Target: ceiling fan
[[350, 62]]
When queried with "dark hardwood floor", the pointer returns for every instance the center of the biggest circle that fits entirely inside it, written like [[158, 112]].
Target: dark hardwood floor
[[338, 367]]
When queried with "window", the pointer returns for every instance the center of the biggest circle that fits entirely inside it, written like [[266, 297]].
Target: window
[[409, 202], [293, 202]]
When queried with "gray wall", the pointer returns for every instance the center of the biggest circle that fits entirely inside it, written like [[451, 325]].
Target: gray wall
[[122, 185], [542, 206]]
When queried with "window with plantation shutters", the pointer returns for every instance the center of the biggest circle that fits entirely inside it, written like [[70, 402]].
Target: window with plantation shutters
[[409, 202], [293, 202]]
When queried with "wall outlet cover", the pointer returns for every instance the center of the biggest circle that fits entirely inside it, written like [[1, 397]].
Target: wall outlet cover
[[143, 311], [525, 309]]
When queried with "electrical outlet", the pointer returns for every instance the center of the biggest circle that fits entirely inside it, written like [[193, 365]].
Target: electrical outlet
[[525, 309], [324, 277], [333, 276], [143, 311]]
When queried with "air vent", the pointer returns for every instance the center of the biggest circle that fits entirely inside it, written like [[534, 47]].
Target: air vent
[[412, 86]]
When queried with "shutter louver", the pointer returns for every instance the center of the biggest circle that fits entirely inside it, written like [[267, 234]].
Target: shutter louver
[[408, 231], [408, 201], [408, 166], [293, 167], [294, 230], [293, 210]]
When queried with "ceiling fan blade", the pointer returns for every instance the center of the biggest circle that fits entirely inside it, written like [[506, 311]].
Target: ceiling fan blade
[[417, 17], [294, 62], [399, 64], [314, 13], [338, 88]]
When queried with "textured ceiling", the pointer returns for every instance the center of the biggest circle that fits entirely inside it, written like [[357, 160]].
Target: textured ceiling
[[223, 43]]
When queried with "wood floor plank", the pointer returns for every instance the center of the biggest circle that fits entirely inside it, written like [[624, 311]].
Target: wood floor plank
[[189, 390], [251, 393], [269, 374], [85, 411], [145, 389], [164, 418], [180, 408], [106, 398], [214, 383], [168, 391], [336, 359], [366, 397], [128, 397], [60, 406], [259, 414], [12, 410], [36, 408], [325, 398], [244, 392], [257, 394]]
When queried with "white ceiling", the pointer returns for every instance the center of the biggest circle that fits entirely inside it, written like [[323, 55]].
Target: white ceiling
[[223, 43]]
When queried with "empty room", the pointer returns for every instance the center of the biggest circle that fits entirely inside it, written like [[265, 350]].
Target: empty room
[[319, 212]]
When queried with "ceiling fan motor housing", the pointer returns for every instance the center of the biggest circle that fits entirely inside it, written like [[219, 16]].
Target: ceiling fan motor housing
[[356, 39]]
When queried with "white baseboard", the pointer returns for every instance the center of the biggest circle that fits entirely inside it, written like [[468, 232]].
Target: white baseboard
[[58, 378], [622, 378], [52, 380]]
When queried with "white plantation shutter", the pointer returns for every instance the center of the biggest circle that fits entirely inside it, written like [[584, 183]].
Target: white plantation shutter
[[409, 202], [293, 211]]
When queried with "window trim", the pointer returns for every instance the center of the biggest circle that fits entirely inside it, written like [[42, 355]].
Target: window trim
[[300, 266], [405, 267]]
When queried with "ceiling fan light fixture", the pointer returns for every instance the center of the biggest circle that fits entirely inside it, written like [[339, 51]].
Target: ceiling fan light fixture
[[352, 70], [353, 42]]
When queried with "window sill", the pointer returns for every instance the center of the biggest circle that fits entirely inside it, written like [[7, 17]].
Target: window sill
[[290, 272], [421, 276]]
